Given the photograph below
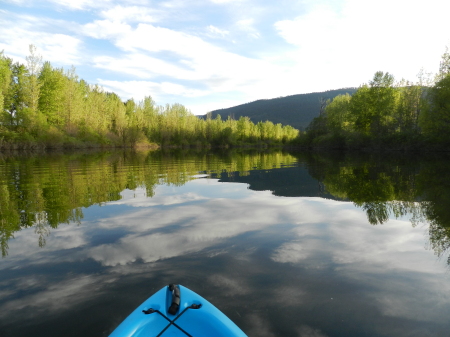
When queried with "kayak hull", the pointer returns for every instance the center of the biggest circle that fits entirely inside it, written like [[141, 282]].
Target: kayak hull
[[194, 317]]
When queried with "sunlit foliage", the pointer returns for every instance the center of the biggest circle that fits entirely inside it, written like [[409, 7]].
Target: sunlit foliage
[[43, 106]]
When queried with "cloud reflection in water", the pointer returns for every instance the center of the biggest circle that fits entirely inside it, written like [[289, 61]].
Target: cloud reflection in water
[[307, 255]]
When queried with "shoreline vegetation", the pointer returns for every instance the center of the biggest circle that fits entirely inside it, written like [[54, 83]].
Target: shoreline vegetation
[[51, 108], [385, 115], [47, 108]]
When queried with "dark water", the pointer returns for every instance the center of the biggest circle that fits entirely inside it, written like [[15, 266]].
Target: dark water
[[285, 245]]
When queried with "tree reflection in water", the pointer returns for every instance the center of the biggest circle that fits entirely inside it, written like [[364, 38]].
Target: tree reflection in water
[[46, 191], [417, 187]]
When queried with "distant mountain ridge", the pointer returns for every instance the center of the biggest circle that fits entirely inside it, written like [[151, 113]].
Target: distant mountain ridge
[[295, 110]]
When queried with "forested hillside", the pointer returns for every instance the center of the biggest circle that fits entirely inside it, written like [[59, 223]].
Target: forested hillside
[[44, 107], [296, 110]]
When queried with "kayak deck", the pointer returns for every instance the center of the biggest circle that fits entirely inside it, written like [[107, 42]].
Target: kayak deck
[[177, 311]]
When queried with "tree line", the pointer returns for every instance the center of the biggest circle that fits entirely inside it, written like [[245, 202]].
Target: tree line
[[44, 106], [295, 110], [385, 112]]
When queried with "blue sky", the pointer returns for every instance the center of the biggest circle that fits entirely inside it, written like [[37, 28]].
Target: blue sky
[[211, 54]]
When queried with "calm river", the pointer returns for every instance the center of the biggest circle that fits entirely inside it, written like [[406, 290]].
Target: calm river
[[284, 244]]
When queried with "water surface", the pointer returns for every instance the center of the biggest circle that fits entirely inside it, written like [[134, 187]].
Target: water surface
[[285, 245]]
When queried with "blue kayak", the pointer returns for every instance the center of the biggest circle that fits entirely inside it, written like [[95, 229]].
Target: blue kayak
[[177, 311]]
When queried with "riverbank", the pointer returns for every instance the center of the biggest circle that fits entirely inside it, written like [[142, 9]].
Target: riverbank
[[411, 143], [41, 146]]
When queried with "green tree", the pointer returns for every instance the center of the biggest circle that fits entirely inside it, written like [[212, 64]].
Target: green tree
[[338, 114], [5, 79], [117, 115], [150, 116], [95, 112], [31, 86], [74, 93], [243, 128], [435, 121], [52, 95], [46, 105], [372, 107], [410, 104], [317, 128], [16, 99], [444, 66]]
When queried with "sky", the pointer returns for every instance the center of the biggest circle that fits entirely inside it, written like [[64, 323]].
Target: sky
[[213, 54]]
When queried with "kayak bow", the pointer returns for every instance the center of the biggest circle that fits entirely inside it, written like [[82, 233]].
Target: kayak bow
[[177, 311]]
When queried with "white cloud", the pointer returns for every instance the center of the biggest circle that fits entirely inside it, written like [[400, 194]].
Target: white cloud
[[203, 226], [386, 251], [310, 29], [180, 90], [65, 237], [19, 31], [408, 302], [142, 66], [291, 296], [161, 200], [148, 248], [229, 286], [225, 1], [259, 326], [292, 252], [307, 331], [247, 26], [54, 297], [189, 58], [130, 14], [217, 31], [16, 2], [202, 60], [81, 4], [359, 38], [140, 89], [105, 29], [156, 39]]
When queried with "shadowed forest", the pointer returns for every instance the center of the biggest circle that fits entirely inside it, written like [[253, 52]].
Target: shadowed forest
[[386, 114]]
